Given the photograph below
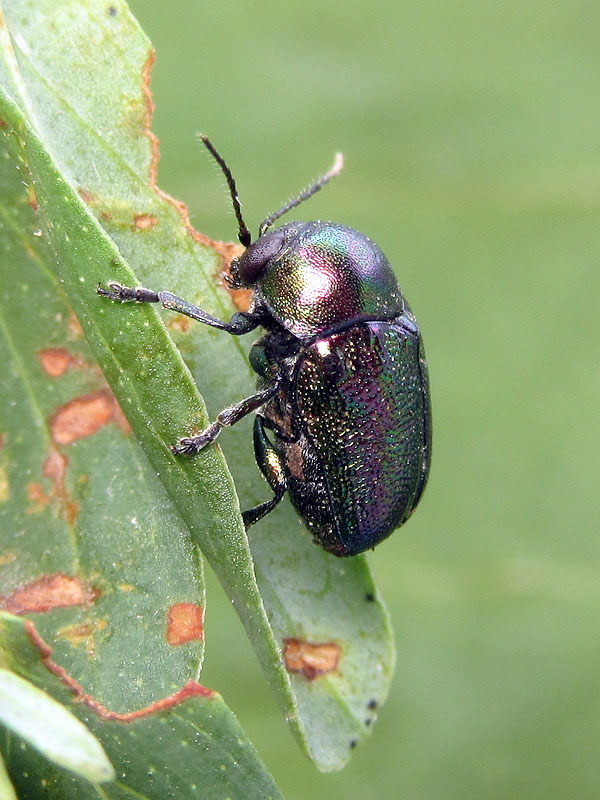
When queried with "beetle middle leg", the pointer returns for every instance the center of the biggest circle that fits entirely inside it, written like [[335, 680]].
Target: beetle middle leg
[[192, 445], [272, 468]]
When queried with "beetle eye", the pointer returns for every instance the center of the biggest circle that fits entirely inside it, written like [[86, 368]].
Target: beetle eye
[[258, 255]]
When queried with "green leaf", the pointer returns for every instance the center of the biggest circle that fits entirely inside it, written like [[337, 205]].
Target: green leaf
[[195, 749], [51, 729], [79, 132], [7, 791], [88, 534]]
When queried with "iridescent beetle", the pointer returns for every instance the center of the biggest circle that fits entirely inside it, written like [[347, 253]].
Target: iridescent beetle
[[342, 401]]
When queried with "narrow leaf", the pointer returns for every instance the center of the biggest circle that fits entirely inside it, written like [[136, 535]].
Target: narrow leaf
[[194, 748], [51, 729], [7, 791]]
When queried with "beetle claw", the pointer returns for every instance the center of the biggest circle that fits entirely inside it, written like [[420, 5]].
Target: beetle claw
[[192, 445]]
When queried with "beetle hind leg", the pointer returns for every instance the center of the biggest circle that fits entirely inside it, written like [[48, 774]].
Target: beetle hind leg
[[272, 468]]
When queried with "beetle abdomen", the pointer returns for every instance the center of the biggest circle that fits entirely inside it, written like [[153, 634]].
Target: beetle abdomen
[[362, 401]]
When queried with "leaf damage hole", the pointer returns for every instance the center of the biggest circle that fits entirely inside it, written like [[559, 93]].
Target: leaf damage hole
[[86, 415], [224, 249], [311, 660], [48, 592], [185, 622], [189, 689]]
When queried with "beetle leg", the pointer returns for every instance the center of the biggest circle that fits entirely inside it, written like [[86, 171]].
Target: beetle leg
[[191, 445], [271, 467], [239, 324]]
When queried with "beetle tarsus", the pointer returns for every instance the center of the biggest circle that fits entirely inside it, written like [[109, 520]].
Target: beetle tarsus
[[192, 445], [124, 294]]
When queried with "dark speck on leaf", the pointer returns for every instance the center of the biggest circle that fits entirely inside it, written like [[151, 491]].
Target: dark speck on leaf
[[370, 597], [352, 744], [112, 11], [372, 704]]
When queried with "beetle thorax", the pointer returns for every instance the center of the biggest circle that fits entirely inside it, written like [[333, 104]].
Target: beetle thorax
[[325, 274]]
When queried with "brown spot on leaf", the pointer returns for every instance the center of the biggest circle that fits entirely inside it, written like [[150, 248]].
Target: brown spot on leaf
[[48, 592], [55, 361], [74, 329], [31, 197], [87, 197], [179, 323], [7, 557], [241, 297], [4, 485], [85, 415], [190, 689], [38, 499], [311, 660], [106, 216], [55, 468], [185, 623], [143, 222], [83, 634]]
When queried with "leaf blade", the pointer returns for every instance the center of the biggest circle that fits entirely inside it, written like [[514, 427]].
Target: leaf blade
[[32, 714], [196, 749]]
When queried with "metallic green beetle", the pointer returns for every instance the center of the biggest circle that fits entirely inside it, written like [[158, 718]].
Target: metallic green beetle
[[343, 410]]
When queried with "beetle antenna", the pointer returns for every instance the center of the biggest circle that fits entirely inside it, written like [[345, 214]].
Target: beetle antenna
[[337, 167], [244, 234]]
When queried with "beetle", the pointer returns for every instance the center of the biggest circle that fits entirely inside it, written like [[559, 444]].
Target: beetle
[[342, 403]]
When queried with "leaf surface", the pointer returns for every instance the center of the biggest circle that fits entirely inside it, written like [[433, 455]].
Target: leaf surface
[[192, 749]]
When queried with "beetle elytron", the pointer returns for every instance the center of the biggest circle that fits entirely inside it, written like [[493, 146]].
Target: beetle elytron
[[342, 401]]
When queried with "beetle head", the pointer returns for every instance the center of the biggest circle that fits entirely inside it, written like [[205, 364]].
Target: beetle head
[[253, 262]]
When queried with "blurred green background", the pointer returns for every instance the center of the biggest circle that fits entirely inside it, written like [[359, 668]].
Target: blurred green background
[[471, 132]]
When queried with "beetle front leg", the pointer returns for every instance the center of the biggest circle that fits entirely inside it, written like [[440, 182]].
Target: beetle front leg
[[192, 445], [272, 468], [239, 324]]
